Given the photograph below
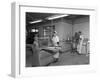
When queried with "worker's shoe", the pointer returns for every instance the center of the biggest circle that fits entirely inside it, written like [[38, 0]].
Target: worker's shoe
[[56, 60]]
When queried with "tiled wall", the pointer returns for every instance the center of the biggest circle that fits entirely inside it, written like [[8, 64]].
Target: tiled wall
[[63, 27], [66, 29], [82, 25]]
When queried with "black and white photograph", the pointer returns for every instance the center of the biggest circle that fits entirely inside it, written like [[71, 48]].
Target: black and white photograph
[[55, 39]]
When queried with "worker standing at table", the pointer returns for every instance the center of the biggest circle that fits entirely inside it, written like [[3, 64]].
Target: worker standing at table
[[79, 46], [55, 42], [35, 48]]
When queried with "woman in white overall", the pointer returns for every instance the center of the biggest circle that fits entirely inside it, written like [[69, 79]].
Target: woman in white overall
[[79, 46], [55, 41], [55, 48]]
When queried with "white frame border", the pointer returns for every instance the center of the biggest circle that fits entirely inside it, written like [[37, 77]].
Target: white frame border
[[17, 70]]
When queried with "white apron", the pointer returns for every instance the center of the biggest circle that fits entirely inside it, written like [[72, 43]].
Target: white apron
[[79, 46]]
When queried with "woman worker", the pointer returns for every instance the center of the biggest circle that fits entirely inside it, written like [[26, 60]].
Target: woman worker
[[55, 42], [79, 46], [35, 48], [55, 48]]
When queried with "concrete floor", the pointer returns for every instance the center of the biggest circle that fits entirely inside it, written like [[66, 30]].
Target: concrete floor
[[68, 58], [71, 59]]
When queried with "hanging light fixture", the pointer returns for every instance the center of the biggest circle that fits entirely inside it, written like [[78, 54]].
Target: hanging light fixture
[[37, 21], [56, 17]]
